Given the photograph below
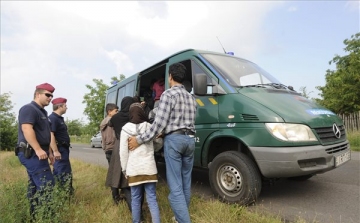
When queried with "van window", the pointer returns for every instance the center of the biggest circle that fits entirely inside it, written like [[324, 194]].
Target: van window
[[111, 97], [121, 95], [239, 72], [129, 90], [196, 69]]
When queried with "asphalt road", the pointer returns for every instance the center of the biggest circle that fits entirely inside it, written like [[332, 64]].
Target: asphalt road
[[330, 197]]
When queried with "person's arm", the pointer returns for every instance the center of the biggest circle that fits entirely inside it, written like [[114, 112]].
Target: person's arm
[[53, 151], [123, 151], [161, 119], [103, 139], [30, 137]]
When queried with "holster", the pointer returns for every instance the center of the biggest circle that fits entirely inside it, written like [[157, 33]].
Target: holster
[[25, 148]]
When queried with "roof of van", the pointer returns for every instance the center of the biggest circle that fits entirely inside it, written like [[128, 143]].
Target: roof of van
[[167, 58], [180, 52]]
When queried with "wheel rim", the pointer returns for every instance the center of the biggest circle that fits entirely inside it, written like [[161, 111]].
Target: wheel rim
[[229, 180]]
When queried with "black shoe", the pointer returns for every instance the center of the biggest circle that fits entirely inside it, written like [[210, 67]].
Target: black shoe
[[116, 200]]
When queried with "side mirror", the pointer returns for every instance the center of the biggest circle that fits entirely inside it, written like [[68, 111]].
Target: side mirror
[[200, 85]]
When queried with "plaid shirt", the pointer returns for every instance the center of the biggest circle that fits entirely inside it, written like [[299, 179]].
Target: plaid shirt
[[177, 110]]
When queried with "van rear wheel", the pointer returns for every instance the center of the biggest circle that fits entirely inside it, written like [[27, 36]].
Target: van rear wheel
[[234, 178]]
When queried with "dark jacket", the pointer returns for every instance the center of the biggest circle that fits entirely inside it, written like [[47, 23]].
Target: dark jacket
[[115, 177]]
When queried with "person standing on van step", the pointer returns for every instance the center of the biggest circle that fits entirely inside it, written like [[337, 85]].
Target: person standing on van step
[[139, 166], [149, 98], [62, 167], [34, 138], [176, 116], [108, 140], [158, 89]]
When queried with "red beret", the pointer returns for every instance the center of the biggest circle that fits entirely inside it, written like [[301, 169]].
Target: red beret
[[46, 86], [59, 101]]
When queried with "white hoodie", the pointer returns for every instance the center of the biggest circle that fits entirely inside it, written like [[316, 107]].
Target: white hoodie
[[141, 161]]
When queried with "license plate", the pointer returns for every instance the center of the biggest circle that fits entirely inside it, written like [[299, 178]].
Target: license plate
[[342, 158]]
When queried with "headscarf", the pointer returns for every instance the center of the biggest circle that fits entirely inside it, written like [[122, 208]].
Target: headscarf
[[137, 114], [122, 117]]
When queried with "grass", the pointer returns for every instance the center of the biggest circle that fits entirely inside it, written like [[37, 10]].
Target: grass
[[354, 139], [92, 201], [80, 139]]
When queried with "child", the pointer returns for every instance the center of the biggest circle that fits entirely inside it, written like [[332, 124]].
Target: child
[[108, 139], [107, 133], [139, 165]]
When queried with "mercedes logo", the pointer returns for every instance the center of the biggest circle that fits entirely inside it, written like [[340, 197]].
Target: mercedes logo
[[336, 131]]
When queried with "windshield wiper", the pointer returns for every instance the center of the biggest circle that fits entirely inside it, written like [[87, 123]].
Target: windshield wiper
[[274, 85]]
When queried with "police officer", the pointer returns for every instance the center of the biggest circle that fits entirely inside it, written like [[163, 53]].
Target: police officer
[[34, 139], [62, 167]]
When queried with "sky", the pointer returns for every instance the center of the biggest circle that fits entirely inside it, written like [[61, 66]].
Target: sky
[[69, 43]]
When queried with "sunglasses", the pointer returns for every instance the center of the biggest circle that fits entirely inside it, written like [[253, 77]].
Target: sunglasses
[[48, 95]]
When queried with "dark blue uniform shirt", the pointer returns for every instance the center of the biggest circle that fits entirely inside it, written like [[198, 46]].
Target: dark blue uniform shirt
[[59, 128], [36, 116]]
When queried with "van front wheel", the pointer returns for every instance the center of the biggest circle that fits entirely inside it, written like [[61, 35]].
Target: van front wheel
[[234, 178]]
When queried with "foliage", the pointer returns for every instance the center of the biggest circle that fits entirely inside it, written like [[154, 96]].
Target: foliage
[[8, 125], [354, 140], [95, 102], [74, 126], [342, 90], [83, 139], [304, 92]]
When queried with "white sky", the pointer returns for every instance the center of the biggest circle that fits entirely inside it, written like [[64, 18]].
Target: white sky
[[68, 43]]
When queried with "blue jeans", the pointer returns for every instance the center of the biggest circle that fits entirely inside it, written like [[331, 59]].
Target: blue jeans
[[62, 169], [41, 180], [136, 197], [179, 160]]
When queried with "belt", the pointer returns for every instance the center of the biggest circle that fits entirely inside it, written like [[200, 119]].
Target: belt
[[182, 132], [45, 148], [63, 144]]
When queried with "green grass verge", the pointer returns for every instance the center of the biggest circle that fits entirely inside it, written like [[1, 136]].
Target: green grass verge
[[92, 201], [354, 139]]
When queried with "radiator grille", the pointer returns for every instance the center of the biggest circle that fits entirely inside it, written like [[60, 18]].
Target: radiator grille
[[337, 149], [327, 135]]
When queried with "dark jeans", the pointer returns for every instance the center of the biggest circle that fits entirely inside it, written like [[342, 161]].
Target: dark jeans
[[62, 170], [41, 180]]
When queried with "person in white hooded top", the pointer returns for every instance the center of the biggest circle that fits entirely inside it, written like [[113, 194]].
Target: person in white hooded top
[[139, 165]]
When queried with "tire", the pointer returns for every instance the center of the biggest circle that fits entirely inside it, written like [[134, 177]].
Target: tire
[[234, 178], [92, 145], [301, 178]]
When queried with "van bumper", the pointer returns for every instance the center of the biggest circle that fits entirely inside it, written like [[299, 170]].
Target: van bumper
[[280, 162]]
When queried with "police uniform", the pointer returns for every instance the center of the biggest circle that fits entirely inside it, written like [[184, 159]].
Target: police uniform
[[38, 170], [62, 167]]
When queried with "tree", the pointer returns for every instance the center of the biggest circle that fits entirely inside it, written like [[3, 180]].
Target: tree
[[304, 92], [8, 125], [74, 126], [95, 102], [341, 92]]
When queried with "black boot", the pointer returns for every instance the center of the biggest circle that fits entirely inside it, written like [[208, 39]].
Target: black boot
[[115, 195]]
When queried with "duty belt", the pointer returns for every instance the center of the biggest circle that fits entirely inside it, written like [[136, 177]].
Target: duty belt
[[45, 148], [64, 144]]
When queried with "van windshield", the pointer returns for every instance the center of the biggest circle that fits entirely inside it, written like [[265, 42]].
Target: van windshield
[[241, 73]]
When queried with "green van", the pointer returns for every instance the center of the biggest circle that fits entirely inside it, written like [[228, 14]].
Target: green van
[[250, 128]]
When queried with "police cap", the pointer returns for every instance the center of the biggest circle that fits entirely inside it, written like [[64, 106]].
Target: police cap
[[46, 86], [59, 101]]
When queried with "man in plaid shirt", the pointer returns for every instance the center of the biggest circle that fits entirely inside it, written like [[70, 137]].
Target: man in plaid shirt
[[175, 118]]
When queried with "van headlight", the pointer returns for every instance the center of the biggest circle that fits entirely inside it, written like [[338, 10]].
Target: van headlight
[[291, 132]]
